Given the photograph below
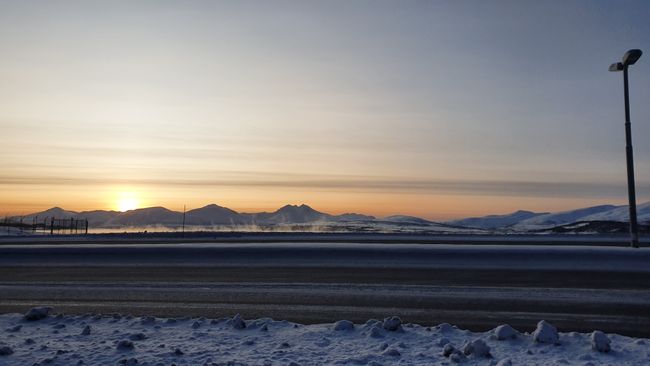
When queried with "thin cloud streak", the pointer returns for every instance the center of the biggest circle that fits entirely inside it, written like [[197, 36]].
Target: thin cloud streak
[[417, 186]]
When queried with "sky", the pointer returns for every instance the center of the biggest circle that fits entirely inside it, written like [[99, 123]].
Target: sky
[[439, 109]]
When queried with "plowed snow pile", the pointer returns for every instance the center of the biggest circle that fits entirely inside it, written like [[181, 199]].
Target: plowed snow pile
[[39, 338]]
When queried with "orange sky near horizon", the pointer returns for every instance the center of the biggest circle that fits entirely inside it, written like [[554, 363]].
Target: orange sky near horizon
[[377, 203]]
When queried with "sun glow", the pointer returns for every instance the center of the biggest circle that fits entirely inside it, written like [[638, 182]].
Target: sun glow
[[127, 201]]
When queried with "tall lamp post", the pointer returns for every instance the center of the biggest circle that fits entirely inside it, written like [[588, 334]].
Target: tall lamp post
[[629, 58]]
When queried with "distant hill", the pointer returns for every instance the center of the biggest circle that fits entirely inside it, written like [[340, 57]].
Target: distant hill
[[497, 221], [408, 219], [214, 215], [148, 216], [621, 214], [98, 217], [532, 221], [353, 217], [291, 214], [56, 212], [593, 227], [560, 218]]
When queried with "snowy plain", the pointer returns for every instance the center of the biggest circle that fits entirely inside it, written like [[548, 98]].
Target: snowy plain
[[124, 340]]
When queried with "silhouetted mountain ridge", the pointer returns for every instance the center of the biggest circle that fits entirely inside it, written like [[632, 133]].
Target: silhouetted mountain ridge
[[208, 215]]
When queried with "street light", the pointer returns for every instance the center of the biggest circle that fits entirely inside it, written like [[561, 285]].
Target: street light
[[630, 58]]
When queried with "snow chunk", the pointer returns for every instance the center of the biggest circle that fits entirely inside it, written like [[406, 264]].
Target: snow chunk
[[444, 328], [124, 345], [14, 328], [545, 333], [505, 362], [376, 331], [505, 331], [392, 324], [6, 351], [448, 349], [237, 322], [371, 322], [38, 313], [343, 325], [600, 342], [457, 357], [391, 352], [477, 348]]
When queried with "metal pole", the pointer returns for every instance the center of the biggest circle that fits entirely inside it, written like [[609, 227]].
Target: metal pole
[[183, 233], [634, 230]]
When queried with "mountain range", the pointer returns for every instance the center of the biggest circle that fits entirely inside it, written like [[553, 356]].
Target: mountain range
[[205, 216], [527, 221], [213, 215]]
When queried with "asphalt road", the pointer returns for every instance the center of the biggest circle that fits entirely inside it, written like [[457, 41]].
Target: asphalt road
[[478, 287]]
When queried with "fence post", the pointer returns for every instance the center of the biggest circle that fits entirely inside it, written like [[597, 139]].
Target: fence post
[[52, 226]]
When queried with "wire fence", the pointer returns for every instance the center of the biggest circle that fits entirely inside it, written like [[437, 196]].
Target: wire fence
[[50, 225]]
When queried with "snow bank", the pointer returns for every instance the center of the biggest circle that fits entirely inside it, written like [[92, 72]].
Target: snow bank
[[125, 340], [37, 313], [504, 332], [343, 325], [546, 333], [600, 342]]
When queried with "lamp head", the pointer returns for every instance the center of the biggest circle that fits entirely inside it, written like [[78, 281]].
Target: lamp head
[[617, 66], [631, 57]]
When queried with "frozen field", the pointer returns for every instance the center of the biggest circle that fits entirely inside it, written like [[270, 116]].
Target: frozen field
[[120, 340]]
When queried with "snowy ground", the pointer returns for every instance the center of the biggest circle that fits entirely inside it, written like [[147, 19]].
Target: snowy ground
[[116, 340]]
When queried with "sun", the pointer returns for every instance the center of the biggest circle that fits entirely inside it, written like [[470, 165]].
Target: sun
[[127, 201]]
